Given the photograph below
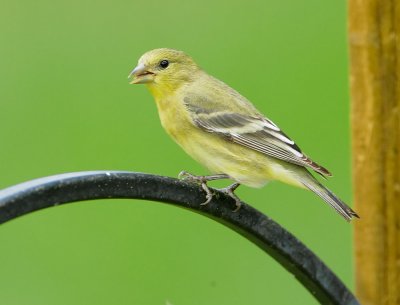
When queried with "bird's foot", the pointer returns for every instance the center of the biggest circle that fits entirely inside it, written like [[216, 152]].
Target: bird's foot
[[229, 190], [184, 175], [202, 180]]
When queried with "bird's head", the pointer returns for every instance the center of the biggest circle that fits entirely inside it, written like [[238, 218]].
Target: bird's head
[[164, 67]]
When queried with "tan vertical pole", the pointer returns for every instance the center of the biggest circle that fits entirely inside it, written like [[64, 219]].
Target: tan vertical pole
[[374, 35]]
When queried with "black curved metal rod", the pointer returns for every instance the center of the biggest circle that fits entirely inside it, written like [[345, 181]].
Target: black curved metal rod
[[50, 191]]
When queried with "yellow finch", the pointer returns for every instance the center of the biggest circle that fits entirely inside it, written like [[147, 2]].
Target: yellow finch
[[222, 130]]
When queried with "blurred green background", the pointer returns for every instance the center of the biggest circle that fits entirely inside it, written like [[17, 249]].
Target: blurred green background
[[65, 105]]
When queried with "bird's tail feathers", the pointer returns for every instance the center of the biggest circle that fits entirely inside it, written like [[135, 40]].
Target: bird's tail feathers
[[343, 209]]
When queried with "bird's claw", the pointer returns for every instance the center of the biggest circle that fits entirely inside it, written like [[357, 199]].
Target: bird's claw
[[238, 205], [209, 194], [184, 175], [229, 191]]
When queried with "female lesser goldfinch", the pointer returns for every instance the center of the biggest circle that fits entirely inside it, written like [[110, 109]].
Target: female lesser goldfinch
[[222, 130]]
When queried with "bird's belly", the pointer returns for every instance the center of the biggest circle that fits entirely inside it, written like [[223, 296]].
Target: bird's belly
[[222, 157]]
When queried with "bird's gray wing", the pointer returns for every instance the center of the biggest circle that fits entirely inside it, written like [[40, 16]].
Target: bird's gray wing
[[252, 131]]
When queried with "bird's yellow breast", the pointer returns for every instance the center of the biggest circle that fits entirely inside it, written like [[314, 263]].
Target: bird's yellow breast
[[173, 115]]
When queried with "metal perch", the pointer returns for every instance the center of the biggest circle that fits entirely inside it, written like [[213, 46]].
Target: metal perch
[[46, 192]]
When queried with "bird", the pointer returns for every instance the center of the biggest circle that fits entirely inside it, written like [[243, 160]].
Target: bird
[[223, 131]]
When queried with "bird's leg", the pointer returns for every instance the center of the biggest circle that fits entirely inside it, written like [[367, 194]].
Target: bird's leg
[[229, 190], [184, 175]]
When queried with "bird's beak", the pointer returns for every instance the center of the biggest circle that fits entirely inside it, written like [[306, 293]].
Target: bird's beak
[[140, 75]]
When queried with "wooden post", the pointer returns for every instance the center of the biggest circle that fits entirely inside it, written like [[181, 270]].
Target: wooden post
[[374, 34]]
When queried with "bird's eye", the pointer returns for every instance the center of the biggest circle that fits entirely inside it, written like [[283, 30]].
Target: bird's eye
[[164, 63]]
